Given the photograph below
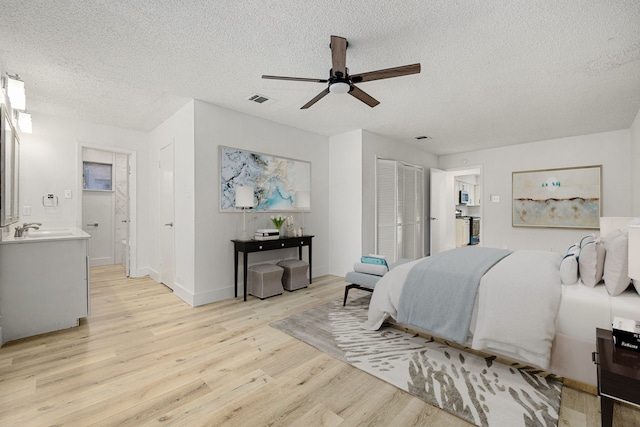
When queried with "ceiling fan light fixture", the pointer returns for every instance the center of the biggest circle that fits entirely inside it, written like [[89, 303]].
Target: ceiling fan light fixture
[[339, 87]]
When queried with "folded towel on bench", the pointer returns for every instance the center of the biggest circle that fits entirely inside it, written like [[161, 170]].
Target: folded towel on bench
[[375, 269]]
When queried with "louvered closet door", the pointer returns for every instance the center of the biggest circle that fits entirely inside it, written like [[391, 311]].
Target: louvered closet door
[[386, 209], [419, 214], [413, 244], [399, 210]]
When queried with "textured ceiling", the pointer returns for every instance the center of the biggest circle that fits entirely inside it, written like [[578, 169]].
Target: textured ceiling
[[493, 73]]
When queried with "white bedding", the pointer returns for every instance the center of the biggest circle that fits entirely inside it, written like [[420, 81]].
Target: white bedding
[[518, 301], [582, 310], [503, 321]]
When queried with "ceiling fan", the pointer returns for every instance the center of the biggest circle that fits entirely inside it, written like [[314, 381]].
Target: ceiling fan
[[341, 82]]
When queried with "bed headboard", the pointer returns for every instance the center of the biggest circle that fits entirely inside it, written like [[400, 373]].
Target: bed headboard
[[613, 223]]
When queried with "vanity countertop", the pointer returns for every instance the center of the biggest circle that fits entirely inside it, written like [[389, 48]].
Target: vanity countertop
[[45, 234]]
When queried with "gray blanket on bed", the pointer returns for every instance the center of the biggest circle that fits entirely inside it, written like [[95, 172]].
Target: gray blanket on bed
[[440, 291]]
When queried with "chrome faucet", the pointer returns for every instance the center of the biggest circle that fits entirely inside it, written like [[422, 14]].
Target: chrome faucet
[[26, 226]]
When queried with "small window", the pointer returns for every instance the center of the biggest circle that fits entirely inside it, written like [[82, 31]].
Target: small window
[[97, 176]]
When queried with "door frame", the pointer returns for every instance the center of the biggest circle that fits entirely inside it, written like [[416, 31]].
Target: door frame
[[447, 198], [171, 145], [132, 184]]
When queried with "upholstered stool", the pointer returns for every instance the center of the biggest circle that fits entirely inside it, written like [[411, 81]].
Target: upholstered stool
[[295, 274], [265, 280]]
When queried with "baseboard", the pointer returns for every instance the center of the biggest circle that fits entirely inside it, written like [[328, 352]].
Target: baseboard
[[216, 295], [183, 294], [155, 275], [587, 388]]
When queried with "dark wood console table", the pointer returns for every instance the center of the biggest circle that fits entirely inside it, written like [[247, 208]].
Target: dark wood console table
[[247, 246], [618, 375]]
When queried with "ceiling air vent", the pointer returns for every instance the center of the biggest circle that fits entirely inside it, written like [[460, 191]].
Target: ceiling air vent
[[260, 99]]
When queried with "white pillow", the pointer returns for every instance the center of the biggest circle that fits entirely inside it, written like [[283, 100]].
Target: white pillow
[[569, 266], [634, 221], [616, 265], [591, 260]]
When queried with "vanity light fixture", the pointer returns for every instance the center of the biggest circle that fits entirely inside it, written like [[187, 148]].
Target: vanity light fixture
[[15, 91], [24, 121], [244, 200]]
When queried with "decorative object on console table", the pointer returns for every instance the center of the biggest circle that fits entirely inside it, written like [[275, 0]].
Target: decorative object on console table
[[277, 221], [290, 232], [266, 234], [244, 200], [303, 201], [618, 375]]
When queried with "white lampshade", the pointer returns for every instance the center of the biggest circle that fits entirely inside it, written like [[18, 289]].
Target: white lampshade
[[15, 91], [634, 252], [303, 199], [339, 87], [244, 197]]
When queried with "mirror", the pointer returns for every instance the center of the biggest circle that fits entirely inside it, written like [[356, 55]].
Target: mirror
[[9, 158]]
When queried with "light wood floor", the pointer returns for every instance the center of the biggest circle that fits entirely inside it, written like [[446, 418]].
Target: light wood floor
[[144, 357]]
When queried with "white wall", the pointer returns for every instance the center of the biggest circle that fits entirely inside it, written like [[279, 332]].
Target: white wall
[[635, 165], [609, 149], [345, 217], [179, 131], [49, 163], [378, 146], [214, 230]]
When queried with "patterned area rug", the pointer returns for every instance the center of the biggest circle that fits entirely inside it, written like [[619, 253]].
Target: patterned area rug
[[480, 390]]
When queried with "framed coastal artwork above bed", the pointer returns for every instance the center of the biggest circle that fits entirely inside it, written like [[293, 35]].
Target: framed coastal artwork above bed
[[561, 198], [275, 180]]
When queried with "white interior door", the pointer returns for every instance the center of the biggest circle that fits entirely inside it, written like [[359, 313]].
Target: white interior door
[[97, 220], [439, 211], [166, 216]]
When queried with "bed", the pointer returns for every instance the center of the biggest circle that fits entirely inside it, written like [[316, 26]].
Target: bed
[[521, 308]]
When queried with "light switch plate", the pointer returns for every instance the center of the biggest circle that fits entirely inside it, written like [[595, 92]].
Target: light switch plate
[[26, 210], [67, 194], [495, 199]]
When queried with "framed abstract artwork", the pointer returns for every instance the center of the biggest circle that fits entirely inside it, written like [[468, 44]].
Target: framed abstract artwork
[[563, 198], [275, 180]]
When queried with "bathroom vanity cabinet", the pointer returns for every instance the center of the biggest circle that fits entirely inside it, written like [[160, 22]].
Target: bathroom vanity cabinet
[[44, 284]]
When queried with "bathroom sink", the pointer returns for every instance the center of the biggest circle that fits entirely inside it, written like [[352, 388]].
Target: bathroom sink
[[49, 233]]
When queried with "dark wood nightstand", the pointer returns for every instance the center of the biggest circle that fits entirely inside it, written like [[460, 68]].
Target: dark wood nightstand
[[618, 375]]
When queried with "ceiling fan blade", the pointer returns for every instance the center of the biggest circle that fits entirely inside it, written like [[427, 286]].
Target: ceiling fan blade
[[339, 55], [364, 97], [316, 99], [387, 73], [296, 79]]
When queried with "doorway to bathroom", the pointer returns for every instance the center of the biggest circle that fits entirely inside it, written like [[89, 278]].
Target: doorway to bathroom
[[106, 183]]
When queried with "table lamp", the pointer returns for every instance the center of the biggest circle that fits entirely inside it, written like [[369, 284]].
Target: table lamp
[[244, 200], [634, 254], [302, 202]]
